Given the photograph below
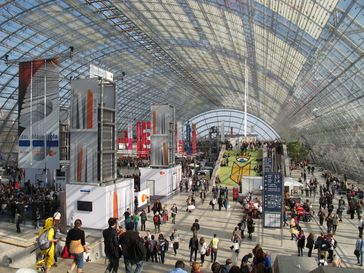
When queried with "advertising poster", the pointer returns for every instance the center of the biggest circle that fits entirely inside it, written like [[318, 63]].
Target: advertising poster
[[272, 199], [38, 114]]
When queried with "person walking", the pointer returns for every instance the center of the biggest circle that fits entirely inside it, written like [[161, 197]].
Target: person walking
[[17, 221], [250, 225], [178, 268], [136, 221], [214, 247], [196, 267], [49, 252], [359, 250], [143, 219], [310, 243], [300, 242], [112, 248], [203, 249], [174, 211], [220, 202], [153, 248], [242, 226], [195, 227], [193, 246], [134, 250], [75, 241], [157, 222], [360, 226], [213, 203], [175, 241], [335, 223], [163, 247], [148, 203]]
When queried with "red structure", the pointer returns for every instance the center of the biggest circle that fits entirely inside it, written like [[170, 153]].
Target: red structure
[[143, 139]]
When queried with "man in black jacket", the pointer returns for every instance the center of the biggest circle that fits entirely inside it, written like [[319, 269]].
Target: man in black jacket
[[112, 248], [134, 250]]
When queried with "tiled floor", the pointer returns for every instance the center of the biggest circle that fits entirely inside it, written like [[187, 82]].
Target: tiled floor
[[274, 241]]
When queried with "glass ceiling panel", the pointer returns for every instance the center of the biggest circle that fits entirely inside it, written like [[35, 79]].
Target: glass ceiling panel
[[309, 15]]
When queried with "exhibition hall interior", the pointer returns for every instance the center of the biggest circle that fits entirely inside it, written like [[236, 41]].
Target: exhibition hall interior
[[181, 136]]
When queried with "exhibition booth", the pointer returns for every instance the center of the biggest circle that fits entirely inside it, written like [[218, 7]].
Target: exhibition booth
[[161, 182], [96, 204]]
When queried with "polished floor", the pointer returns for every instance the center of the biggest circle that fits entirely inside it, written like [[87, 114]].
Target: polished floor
[[274, 241]]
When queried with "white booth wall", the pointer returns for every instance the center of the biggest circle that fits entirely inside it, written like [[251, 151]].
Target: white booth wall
[[252, 184], [161, 182], [102, 198]]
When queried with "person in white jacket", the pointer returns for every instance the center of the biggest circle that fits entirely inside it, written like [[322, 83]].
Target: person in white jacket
[[203, 249]]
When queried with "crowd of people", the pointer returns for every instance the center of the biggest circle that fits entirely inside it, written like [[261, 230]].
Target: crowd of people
[[137, 238], [28, 203]]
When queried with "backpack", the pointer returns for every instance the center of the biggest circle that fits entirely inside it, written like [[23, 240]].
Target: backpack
[[42, 241], [140, 250], [156, 219]]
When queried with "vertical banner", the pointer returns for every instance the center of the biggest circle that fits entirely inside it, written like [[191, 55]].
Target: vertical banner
[[272, 199], [123, 140], [222, 131], [143, 139], [188, 139], [180, 143], [194, 139], [130, 136], [84, 131], [38, 114], [231, 132]]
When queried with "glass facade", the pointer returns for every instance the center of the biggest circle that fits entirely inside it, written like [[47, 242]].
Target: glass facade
[[304, 61]]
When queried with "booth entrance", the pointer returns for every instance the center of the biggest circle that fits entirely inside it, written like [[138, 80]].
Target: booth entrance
[[151, 187]]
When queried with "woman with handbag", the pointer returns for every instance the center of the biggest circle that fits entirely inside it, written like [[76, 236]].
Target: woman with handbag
[[76, 244], [203, 249]]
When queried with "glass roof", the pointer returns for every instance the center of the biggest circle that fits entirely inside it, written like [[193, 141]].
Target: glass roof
[[304, 60], [232, 119]]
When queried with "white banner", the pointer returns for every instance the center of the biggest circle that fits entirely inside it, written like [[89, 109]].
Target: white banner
[[38, 114]]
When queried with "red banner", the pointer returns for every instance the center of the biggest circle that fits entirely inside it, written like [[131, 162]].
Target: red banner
[[143, 139], [123, 137], [194, 139], [181, 146]]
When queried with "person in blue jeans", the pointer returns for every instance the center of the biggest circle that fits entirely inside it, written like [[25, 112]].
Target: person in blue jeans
[[359, 250]]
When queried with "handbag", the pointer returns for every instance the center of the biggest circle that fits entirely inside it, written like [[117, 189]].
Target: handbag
[[356, 253], [66, 254], [208, 251]]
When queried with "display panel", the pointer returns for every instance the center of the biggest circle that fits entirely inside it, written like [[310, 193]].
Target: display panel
[[38, 114], [272, 199]]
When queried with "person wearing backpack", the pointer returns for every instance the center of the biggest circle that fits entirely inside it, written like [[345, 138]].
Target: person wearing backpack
[[46, 243], [143, 219], [153, 249], [134, 250], [76, 244], [163, 247], [157, 222]]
